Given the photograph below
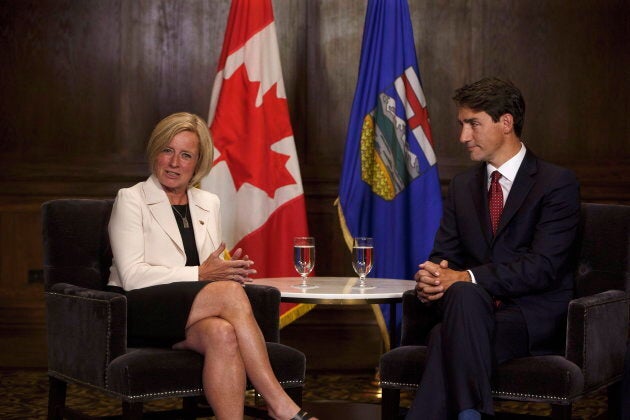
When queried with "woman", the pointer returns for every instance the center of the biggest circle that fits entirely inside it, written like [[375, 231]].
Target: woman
[[166, 241]]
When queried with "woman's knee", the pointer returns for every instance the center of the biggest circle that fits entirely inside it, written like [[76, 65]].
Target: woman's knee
[[225, 286], [229, 292], [221, 299], [215, 333]]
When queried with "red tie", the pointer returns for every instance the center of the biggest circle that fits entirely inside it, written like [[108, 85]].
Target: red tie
[[495, 201]]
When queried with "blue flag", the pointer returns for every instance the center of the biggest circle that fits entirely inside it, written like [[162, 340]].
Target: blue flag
[[389, 188]]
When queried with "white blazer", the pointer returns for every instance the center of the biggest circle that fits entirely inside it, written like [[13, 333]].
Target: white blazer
[[146, 242]]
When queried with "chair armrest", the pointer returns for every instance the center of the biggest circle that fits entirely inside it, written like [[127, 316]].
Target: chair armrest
[[86, 329], [597, 332], [265, 301], [417, 320]]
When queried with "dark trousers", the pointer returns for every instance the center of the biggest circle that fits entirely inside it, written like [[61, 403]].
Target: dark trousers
[[471, 339]]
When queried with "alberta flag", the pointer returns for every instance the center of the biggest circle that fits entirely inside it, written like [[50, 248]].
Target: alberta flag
[[256, 172], [389, 186]]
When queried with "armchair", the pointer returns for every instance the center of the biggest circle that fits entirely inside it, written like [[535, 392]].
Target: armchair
[[86, 325], [596, 335]]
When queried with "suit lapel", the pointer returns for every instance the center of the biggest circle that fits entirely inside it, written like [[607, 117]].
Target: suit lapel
[[479, 193], [161, 210], [206, 233], [523, 183]]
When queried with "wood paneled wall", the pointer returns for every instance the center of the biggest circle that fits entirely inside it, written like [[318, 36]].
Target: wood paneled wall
[[82, 83]]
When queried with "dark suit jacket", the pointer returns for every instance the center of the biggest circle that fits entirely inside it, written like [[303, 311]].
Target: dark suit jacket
[[530, 260]]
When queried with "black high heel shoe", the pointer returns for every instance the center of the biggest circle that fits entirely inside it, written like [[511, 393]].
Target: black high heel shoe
[[302, 415]]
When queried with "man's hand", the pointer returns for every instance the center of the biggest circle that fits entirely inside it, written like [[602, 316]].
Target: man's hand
[[432, 280], [236, 269]]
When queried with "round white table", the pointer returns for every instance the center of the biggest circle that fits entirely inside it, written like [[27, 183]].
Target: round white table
[[342, 291]]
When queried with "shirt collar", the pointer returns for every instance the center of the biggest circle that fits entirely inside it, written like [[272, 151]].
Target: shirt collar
[[509, 169]]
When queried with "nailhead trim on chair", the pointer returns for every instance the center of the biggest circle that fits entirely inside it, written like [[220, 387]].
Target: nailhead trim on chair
[[109, 336], [398, 385], [179, 393], [158, 395], [153, 395], [518, 395], [109, 322], [182, 393], [292, 382], [494, 393], [68, 379]]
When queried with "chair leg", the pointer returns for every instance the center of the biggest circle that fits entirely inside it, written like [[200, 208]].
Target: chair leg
[[56, 398], [561, 412], [189, 406], [295, 394], [615, 400], [132, 411], [390, 404]]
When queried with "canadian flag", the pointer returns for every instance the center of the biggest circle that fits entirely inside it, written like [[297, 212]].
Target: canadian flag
[[256, 173]]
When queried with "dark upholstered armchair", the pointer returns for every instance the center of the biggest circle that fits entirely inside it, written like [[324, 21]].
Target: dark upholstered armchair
[[597, 329], [87, 342]]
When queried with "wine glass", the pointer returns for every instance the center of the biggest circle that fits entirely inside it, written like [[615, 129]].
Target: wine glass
[[362, 254], [304, 259]]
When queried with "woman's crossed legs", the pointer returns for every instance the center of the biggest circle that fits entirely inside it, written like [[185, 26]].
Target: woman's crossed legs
[[221, 326]]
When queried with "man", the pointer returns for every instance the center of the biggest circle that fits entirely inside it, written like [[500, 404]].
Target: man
[[500, 273]]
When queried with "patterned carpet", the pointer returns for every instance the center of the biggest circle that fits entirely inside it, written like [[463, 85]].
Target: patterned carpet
[[25, 395]]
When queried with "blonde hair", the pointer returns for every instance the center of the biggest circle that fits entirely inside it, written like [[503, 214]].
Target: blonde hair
[[174, 124]]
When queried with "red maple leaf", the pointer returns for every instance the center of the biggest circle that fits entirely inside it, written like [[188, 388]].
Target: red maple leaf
[[244, 133]]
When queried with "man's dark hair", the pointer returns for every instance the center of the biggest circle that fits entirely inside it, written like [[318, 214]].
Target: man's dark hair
[[496, 97]]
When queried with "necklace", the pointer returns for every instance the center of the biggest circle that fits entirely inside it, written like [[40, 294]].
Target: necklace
[[184, 217]]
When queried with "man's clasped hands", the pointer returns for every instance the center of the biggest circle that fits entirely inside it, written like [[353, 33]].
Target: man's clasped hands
[[434, 279]]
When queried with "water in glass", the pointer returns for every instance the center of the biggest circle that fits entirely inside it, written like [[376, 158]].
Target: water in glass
[[304, 259], [362, 254]]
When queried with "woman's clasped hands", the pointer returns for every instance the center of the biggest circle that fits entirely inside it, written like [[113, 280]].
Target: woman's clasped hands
[[238, 268]]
